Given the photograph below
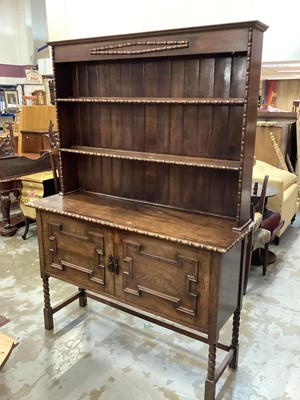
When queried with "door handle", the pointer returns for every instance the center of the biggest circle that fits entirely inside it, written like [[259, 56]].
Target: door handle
[[113, 265]]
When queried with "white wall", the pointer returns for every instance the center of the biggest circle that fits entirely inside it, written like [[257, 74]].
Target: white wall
[[69, 19], [39, 26], [16, 44]]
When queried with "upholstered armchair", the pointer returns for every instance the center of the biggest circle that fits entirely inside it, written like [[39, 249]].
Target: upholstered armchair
[[286, 201]]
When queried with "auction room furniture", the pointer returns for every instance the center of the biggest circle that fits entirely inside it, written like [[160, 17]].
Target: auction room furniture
[[34, 187], [286, 201], [5, 132], [283, 126], [41, 184], [12, 167], [34, 123], [157, 140], [261, 237]]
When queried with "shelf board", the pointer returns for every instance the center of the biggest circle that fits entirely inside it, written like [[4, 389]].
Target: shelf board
[[154, 157], [238, 101]]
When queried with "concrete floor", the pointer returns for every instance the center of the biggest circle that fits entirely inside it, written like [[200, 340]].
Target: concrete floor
[[101, 353]]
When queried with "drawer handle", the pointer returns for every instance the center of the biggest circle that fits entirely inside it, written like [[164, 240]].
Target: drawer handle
[[113, 264]]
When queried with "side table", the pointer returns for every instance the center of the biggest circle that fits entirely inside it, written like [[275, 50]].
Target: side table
[[35, 186]]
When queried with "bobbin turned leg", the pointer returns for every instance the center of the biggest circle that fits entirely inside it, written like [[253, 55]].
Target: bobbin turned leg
[[48, 312], [210, 384], [235, 338], [82, 298]]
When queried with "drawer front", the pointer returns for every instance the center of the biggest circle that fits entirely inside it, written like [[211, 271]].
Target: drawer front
[[31, 143], [168, 279], [77, 252]]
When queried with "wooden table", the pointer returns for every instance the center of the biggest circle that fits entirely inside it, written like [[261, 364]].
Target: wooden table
[[256, 191], [12, 168]]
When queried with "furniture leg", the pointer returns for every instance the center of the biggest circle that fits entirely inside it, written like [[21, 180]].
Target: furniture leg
[[82, 298], [16, 193], [210, 384], [27, 220], [235, 338], [48, 311], [248, 260], [8, 229], [265, 258]]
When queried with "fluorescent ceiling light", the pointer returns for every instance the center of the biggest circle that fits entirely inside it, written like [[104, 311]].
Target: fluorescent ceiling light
[[291, 71], [290, 65]]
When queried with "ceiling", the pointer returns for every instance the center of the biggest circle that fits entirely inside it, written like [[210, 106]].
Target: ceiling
[[280, 70]]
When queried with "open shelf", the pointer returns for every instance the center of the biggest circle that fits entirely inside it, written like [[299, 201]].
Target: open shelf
[[155, 157]]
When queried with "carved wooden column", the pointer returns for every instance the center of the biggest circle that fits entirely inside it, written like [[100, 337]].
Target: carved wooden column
[[8, 229]]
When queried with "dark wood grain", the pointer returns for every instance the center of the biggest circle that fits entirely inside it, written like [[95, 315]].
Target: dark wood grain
[[147, 219]]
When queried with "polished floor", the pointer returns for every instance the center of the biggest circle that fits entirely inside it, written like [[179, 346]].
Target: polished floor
[[101, 353]]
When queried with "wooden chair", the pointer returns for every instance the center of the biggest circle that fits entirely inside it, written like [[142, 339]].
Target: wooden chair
[[51, 144], [259, 240]]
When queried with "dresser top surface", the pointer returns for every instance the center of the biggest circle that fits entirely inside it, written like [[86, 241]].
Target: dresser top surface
[[196, 230]]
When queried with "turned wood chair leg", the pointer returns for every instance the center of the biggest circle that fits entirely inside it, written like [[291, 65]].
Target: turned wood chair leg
[[27, 220], [265, 258], [248, 261]]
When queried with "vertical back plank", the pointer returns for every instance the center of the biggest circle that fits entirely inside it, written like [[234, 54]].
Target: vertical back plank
[[139, 180], [150, 182], [237, 89], [230, 193], [163, 90], [150, 84], [162, 183], [91, 128], [138, 116], [217, 189], [104, 109], [116, 113], [202, 189], [175, 185], [220, 126], [205, 89], [126, 109]]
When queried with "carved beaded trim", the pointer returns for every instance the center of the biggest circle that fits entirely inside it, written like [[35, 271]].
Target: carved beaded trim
[[243, 137], [166, 45], [143, 232], [163, 100], [203, 164]]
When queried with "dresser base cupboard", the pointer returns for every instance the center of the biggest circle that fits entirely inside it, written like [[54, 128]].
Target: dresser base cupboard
[[156, 151]]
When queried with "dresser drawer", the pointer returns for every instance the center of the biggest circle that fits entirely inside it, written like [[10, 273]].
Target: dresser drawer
[[77, 252]]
